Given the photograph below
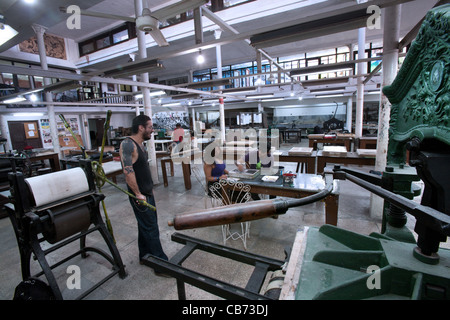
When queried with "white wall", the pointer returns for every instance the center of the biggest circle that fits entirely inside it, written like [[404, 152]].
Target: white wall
[[328, 109]]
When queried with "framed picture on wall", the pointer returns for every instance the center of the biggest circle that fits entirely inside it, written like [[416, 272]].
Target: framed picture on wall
[[111, 87]]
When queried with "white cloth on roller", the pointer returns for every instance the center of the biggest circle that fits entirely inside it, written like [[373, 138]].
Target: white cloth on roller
[[59, 185]]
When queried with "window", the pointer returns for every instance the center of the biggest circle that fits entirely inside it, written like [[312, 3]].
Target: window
[[87, 48], [8, 79], [108, 39], [103, 43], [120, 36], [24, 82]]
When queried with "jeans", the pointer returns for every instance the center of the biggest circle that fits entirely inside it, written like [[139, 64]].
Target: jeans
[[148, 232]]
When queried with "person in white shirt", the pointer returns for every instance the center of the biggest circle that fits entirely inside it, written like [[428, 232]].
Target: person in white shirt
[[178, 134]]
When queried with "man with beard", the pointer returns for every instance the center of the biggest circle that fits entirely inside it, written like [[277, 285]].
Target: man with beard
[[139, 181]]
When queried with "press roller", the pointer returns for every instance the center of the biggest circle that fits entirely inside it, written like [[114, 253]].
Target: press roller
[[248, 211], [59, 208]]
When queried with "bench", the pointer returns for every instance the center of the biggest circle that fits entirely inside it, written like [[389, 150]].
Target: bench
[[112, 169]]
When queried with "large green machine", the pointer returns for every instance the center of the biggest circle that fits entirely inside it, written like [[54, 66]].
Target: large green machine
[[339, 264]]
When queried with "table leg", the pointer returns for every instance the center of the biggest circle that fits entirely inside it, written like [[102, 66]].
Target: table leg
[[331, 209], [164, 172], [321, 163], [187, 175], [311, 165]]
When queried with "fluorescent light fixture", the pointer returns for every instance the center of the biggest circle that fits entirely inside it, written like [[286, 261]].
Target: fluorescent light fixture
[[28, 114], [14, 100], [29, 1], [330, 95], [6, 33], [152, 94], [171, 104], [270, 100], [260, 96], [374, 92], [157, 93]]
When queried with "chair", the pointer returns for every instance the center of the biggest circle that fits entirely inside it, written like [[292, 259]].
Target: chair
[[219, 197]]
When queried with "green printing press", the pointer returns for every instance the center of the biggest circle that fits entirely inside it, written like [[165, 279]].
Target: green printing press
[[338, 264]]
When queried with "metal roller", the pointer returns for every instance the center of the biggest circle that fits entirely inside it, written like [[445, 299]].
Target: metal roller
[[248, 211], [67, 220], [59, 185]]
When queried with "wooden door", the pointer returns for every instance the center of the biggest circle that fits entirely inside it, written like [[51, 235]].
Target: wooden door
[[24, 133]]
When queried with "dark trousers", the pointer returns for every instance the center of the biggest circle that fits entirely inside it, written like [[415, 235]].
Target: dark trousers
[[148, 232]]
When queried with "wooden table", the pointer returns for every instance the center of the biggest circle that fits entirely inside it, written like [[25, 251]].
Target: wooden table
[[163, 144], [304, 185], [52, 157], [308, 160], [286, 134], [351, 158], [185, 159], [344, 139], [367, 143]]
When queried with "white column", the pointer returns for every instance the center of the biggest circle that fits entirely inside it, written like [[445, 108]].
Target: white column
[[217, 34], [360, 86], [87, 137], [40, 30], [146, 93], [391, 35], [134, 89], [349, 114]]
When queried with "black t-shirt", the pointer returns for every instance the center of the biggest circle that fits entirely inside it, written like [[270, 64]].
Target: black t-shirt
[[142, 172]]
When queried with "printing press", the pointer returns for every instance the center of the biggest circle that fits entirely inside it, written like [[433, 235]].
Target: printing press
[[49, 212], [332, 263]]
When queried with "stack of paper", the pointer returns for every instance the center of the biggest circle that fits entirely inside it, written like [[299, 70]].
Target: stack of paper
[[300, 151], [367, 153], [334, 151], [270, 178]]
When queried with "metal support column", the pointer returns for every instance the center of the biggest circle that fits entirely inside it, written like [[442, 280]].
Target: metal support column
[[146, 93], [40, 30], [390, 67]]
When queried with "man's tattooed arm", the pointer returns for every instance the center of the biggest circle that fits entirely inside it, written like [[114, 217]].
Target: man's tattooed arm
[[127, 149], [126, 155]]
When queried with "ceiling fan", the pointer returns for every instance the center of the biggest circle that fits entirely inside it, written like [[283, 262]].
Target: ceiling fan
[[148, 21]]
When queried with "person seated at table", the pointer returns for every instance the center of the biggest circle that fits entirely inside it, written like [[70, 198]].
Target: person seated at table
[[178, 133], [257, 159], [261, 158], [214, 165]]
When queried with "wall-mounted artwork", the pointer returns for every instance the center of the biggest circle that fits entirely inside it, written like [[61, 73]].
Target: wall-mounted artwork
[[55, 47]]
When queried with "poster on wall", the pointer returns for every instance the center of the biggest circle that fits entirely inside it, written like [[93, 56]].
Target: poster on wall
[[46, 134], [168, 120], [73, 123]]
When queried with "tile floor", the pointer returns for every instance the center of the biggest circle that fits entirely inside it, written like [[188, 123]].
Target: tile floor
[[268, 237]]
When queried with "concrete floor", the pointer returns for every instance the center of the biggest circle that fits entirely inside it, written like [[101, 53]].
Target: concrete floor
[[268, 237]]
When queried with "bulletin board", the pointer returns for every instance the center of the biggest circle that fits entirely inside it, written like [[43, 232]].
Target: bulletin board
[[31, 130], [69, 142]]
